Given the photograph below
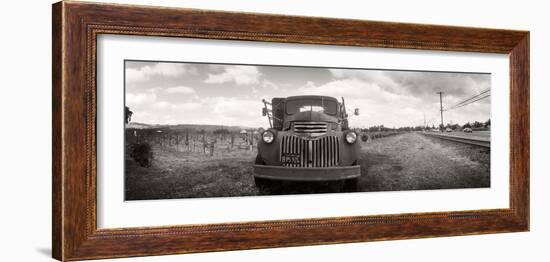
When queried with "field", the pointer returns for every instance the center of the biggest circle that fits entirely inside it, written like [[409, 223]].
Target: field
[[190, 165], [405, 161]]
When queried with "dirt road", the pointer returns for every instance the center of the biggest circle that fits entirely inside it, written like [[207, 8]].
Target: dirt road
[[414, 162]]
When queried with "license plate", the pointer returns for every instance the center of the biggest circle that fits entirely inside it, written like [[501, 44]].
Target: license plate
[[291, 159]]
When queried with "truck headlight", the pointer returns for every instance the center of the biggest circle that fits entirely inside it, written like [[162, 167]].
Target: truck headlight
[[268, 137], [351, 137]]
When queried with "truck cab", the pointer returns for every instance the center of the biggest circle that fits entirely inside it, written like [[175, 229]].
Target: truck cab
[[309, 139]]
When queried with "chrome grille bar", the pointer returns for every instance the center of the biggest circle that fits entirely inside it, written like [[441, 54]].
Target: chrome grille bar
[[322, 152]]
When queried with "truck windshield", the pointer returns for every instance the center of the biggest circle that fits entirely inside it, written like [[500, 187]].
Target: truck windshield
[[314, 105]]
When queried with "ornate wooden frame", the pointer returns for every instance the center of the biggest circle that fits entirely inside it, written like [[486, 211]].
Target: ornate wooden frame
[[76, 26]]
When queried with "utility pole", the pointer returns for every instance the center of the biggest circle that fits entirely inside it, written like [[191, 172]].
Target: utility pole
[[441, 107]]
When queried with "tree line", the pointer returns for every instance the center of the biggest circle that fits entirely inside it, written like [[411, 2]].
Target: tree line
[[473, 125]]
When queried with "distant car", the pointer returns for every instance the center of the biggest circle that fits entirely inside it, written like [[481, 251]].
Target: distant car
[[448, 129], [467, 130]]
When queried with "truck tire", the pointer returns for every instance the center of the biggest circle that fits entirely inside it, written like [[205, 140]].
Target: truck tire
[[335, 186], [259, 160], [260, 183], [350, 185], [268, 186]]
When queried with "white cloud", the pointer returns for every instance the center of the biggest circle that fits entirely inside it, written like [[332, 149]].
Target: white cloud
[[336, 88], [140, 99], [384, 97], [380, 78], [135, 76], [269, 85], [233, 111], [145, 73], [350, 88], [180, 90], [179, 107], [241, 75], [376, 104], [234, 107]]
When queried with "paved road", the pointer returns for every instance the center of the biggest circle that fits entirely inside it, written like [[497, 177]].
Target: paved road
[[483, 135]]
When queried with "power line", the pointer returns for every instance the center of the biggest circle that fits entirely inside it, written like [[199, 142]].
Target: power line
[[470, 98], [482, 95], [473, 101]]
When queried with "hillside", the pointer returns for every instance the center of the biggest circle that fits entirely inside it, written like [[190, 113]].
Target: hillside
[[207, 128]]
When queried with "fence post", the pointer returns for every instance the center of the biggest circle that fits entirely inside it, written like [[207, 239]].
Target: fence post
[[212, 148]]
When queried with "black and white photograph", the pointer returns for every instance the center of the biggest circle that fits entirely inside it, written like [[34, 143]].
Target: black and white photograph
[[198, 130]]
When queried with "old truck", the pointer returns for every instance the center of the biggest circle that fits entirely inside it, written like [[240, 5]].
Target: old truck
[[309, 139]]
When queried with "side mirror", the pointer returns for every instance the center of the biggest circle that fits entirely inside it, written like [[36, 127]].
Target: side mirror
[[356, 111], [264, 111]]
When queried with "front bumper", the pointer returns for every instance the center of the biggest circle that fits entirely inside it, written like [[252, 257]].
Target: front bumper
[[307, 174]]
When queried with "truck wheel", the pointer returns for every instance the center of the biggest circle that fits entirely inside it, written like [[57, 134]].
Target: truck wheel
[[267, 186], [350, 185], [259, 160], [260, 183], [335, 186]]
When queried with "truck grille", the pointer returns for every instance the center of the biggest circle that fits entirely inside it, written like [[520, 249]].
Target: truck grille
[[313, 128], [298, 152]]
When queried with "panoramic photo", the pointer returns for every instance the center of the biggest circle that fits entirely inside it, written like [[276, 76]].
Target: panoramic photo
[[198, 130]]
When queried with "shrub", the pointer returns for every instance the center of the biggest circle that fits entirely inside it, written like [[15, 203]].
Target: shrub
[[142, 153]]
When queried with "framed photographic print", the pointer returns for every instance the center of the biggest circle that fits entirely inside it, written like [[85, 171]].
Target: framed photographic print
[[181, 130]]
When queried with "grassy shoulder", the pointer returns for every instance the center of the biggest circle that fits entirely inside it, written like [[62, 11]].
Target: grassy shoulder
[[414, 162]]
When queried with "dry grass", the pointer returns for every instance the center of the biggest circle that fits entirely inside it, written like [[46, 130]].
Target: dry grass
[[415, 162], [404, 162], [189, 175]]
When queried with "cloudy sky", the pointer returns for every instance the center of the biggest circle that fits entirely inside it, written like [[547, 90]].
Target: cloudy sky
[[193, 93]]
